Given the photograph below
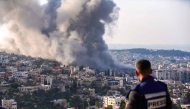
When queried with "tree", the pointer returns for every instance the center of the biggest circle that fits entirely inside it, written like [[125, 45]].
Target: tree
[[93, 101], [98, 104], [187, 95], [109, 107], [77, 102], [122, 105], [14, 85], [74, 86]]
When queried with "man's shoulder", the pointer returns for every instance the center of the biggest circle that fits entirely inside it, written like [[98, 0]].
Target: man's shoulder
[[133, 94], [133, 91], [135, 88], [162, 83]]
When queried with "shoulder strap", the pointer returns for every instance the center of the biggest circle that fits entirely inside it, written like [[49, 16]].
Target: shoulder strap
[[136, 88], [168, 100], [132, 89]]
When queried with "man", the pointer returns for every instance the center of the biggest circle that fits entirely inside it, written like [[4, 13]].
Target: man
[[149, 94]]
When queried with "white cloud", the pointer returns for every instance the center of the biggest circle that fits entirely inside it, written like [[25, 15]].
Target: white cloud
[[42, 2]]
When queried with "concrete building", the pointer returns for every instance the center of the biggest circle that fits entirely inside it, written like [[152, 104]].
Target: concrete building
[[114, 84], [46, 78], [49, 80], [87, 83], [64, 76], [20, 74], [44, 87], [28, 89], [120, 81], [9, 104], [31, 89], [2, 74], [185, 106], [175, 75], [62, 88], [43, 78], [92, 92], [114, 101], [101, 82]]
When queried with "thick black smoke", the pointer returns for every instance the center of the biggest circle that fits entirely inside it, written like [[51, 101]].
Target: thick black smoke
[[51, 15], [70, 31], [91, 28]]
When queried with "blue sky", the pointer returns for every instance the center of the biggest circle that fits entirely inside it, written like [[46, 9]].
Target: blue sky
[[151, 22]]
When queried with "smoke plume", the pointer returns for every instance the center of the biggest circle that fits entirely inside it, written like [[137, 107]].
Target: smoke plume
[[69, 31]]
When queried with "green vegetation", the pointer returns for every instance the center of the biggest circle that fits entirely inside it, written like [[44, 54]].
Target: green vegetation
[[39, 98], [103, 90], [14, 85], [109, 107], [98, 104], [122, 105]]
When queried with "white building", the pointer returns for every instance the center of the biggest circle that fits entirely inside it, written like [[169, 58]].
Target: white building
[[185, 106], [11, 69], [64, 76], [31, 89], [188, 65], [164, 74], [46, 78], [23, 74], [9, 104], [120, 81], [49, 80], [44, 87], [76, 69], [114, 101], [175, 75], [5, 61], [28, 89]]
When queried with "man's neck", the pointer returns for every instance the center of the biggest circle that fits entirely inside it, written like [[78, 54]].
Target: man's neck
[[143, 76]]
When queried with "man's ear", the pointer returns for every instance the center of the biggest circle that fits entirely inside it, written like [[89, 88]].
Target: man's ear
[[150, 71], [137, 73]]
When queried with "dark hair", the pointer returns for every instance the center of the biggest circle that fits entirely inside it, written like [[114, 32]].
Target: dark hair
[[143, 65]]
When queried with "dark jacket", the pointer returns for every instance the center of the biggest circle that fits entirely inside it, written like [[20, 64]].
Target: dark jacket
[[149, 94], [2, 107]]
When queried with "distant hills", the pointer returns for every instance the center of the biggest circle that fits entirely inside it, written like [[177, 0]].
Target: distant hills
[[184, 47], [156, 52]]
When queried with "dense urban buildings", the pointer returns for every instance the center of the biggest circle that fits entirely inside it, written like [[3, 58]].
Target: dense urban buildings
[[36, 83]]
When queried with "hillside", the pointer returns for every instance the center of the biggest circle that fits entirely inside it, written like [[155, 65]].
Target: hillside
[[156, 52]]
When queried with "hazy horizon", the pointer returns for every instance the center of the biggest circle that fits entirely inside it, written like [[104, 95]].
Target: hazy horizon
[[182, 47]]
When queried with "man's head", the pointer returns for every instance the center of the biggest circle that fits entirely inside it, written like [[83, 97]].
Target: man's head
[[143, 68]]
